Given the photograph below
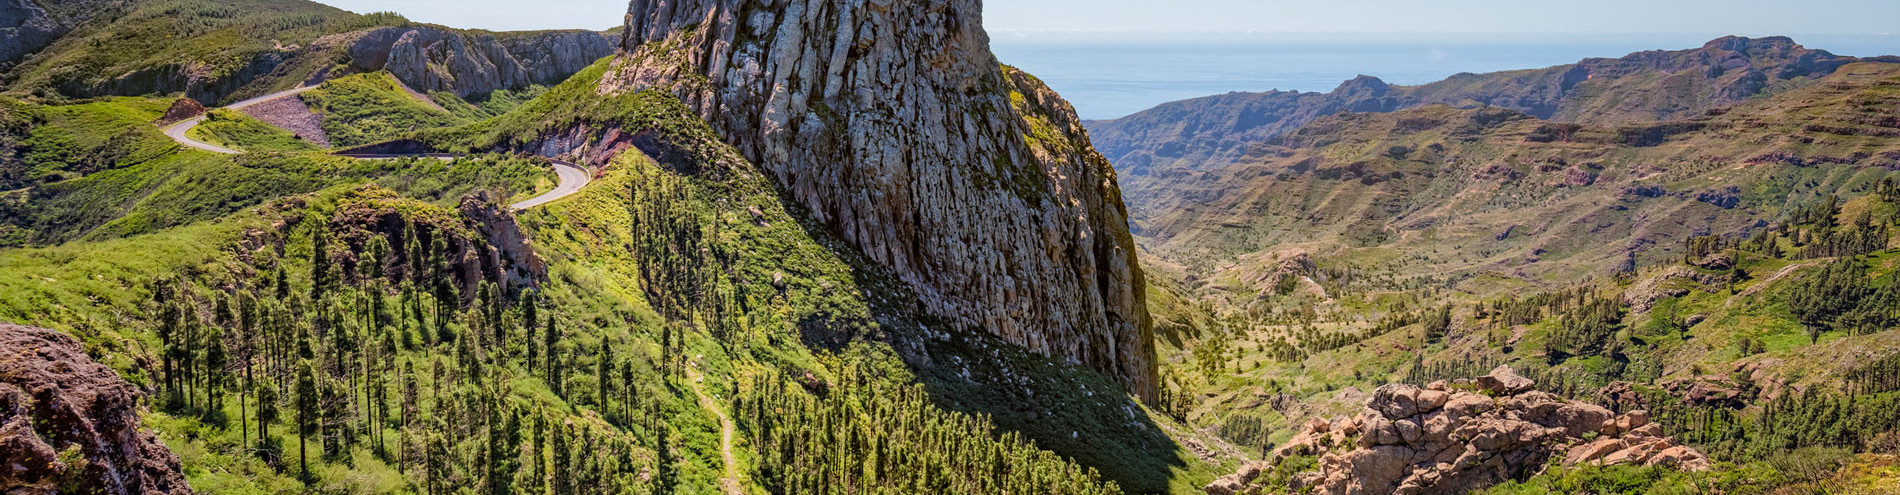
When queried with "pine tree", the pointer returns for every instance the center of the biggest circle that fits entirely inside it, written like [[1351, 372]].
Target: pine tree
[[266, 412], [559, 472], [307, 413], [604, 368], [319, 264], [217, 358]]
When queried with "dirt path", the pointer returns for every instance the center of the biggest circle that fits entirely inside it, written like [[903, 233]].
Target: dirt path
[[1763, 285], [732, 483]]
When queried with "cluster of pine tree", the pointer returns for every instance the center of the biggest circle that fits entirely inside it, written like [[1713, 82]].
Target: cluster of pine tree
[[1812, 418], [866, 436], [1586, 330], [1513, 311], [382, 353], [1841, 297], [1878, 377], [1817, 231]]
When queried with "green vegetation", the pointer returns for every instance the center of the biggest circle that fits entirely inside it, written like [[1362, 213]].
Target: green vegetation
[[369, 108], [1735, 274], [144, 47], [101, 170], [237, 131], [338, 331], [482, 107]]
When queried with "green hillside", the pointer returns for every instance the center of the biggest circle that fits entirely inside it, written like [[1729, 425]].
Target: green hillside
[[665, 296], [206, 49], [369, 108]]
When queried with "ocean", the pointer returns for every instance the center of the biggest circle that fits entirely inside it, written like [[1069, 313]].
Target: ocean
[[1108, 77]]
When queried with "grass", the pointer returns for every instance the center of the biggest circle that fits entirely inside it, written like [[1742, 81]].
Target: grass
[[481, 107], [369, 108], [237, 131], [101, 170]]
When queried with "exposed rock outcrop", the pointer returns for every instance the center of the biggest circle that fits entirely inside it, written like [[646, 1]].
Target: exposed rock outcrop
[[71, 425], [25, 27], [1454, 438], [895, 125], [430, 58], [180, 110], [482, 243]]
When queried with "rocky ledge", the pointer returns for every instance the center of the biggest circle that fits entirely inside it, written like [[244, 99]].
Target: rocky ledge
[[1454, 438], [71, 425]]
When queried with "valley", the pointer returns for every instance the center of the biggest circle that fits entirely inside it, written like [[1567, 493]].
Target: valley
[[1302, 267], [820, 246]]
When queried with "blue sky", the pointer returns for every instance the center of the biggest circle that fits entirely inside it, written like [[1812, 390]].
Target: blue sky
[[1285, 17]]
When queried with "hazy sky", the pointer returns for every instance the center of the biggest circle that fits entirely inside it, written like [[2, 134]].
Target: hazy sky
[[1747, 17]]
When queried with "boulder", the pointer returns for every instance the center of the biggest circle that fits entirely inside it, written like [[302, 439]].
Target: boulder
[[180, 110], [54, 398], [1504, 381]]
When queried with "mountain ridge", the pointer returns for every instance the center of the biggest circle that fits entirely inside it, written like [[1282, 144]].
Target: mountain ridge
[[1643, 86]]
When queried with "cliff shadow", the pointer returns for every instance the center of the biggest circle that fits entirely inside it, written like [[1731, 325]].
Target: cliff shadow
[[1067, 409]]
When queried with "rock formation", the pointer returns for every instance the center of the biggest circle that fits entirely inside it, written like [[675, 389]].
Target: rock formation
[[895, 125], [1454, 438], [483, 243], [25, 27], [71, 425], [430, 58], [180, 110]]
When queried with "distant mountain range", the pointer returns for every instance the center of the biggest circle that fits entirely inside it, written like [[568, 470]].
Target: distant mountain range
[[1645, 86]]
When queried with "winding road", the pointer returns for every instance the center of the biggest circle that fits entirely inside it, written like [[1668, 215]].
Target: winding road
[[573, 178]]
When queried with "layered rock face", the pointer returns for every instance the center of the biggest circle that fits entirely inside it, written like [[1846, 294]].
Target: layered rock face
[[1454, 438], [435, 59], [71, 425], [895, 125]]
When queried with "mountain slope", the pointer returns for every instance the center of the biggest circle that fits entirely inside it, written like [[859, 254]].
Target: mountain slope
[[1642, 87], [1444, 194], [226, 50]]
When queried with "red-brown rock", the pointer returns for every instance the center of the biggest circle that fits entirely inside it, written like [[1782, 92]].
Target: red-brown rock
[[182, 109], [55, 399]]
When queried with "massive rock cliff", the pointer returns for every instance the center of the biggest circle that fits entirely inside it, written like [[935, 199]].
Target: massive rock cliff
[[430, 58], [895, 125], [70, 425]]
